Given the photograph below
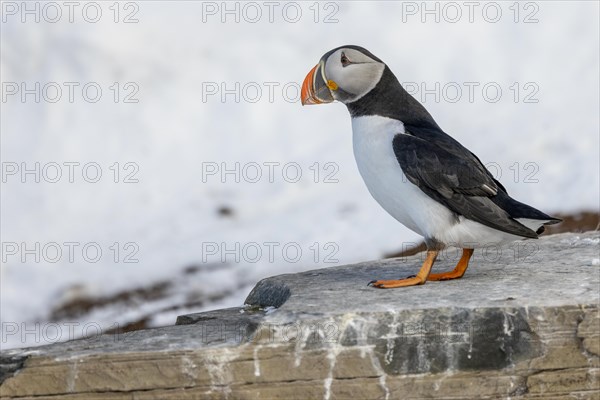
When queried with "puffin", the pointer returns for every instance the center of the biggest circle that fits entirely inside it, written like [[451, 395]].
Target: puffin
[[418, 173]]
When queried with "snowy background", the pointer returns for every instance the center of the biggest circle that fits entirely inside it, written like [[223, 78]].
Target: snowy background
[[176, 223]]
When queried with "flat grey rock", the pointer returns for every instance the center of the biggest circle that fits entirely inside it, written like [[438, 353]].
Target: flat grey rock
[[523, 322], [551, 271]]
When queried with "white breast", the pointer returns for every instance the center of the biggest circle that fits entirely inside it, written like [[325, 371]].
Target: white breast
[[379, 168]]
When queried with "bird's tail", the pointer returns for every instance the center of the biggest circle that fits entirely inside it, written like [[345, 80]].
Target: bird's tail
[[528, 216]]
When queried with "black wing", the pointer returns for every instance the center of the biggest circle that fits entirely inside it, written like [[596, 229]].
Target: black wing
[[452, 175]]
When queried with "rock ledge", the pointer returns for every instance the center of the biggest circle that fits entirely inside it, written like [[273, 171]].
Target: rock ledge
[[524, 322]]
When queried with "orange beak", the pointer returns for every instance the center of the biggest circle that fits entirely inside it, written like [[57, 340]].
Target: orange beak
[[314, 89], [308, 88]]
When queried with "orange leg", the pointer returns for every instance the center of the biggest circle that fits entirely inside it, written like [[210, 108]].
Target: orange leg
[[458, 271], [419, 279]]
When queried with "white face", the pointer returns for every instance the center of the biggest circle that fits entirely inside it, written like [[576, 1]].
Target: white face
[[354, 72]]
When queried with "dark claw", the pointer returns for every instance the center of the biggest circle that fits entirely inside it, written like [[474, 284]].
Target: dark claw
[[371, 283]]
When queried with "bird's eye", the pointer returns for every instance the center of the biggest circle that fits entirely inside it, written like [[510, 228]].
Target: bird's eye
[[344, 60]]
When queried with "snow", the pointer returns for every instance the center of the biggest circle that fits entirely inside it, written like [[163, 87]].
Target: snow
[[544, 152]]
